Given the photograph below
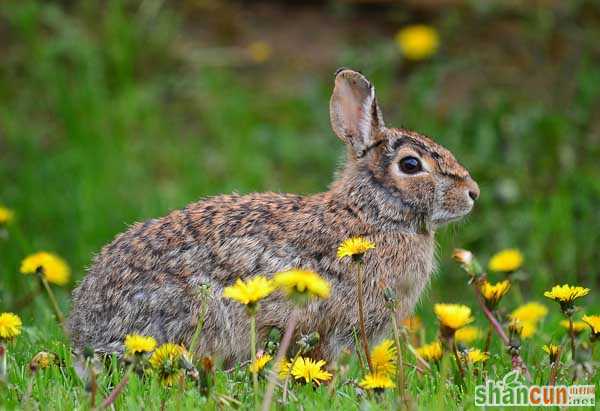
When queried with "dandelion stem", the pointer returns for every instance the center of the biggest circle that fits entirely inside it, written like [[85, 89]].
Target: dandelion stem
[[457, 357], [53, 301], [108, 401], [361, 318], [496, 325], [488, 339], [198, 330], [572, 337], [3, 370], [285, 343], [357, 348], [253, 354], [287, 376], [400, 360]]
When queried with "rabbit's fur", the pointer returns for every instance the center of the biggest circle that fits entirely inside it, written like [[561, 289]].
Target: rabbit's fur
[[147, 280]]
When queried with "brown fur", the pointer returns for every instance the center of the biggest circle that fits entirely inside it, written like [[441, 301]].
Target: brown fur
[[146, 281]]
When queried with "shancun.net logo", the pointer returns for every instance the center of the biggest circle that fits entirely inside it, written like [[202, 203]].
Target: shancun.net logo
[[510, 391]]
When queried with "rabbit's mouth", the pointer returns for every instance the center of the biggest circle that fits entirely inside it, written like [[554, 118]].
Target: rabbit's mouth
[[442, 217]]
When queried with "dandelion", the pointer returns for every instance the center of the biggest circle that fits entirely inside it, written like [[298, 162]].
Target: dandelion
[[260, 363], [310, 371], [53, 268], [10, 326], [468, 334], [417, 42], [259, 51], [302, 282], [300, 286], [383, 358], [493, 293], [593, 321], [531, 312], [42, 360], [474, 356], [251, 291], [566, 295], [6, 215], [376, 381], [431, 352], [506, 261], [139, 344], [354, 247], [553, 352], [166, 361], [452, 317]]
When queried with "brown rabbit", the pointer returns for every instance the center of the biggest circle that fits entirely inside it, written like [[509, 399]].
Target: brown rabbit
[[396, 188]]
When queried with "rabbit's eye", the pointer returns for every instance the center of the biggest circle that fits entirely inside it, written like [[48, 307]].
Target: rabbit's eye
[[410, 165]]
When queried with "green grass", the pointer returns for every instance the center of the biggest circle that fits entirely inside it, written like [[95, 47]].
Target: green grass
[[104, 121]]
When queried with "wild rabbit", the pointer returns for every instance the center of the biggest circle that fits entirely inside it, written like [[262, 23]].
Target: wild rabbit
[[395, 189]]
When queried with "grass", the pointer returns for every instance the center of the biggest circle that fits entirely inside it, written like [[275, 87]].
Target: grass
[[107, 118]]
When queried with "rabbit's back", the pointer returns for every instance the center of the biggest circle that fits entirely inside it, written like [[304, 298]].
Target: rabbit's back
[[148, 279]]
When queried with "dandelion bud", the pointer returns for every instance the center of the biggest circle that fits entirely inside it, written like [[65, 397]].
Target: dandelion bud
[[308, 342], [461, 256], [389, 295], [467, 261]]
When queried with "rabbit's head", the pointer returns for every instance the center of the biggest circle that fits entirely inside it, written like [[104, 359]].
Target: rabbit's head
[[406, 176]]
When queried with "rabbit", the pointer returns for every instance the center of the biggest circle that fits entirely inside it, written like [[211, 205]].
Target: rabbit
[[395, 189]]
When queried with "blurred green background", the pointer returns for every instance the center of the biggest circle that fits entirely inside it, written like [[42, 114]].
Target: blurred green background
[[112, 112]]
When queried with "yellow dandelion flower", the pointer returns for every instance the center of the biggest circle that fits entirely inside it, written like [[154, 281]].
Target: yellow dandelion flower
[[259, 51], [431, 352], [417, 42], [166, 361], [302, 282], [578, 326], [383, 358], [376, 381], [260, 363], [6, 215], [506, 261], [468, 334], [310, 371], [474, 356], [10, 325], [412, 324], [42, 360], [553, 352], [531, 312], [54, 268], [354, 247], [593, 321], [453, 316], [251, 291], [493, 293], [566, 294], [138, 344]]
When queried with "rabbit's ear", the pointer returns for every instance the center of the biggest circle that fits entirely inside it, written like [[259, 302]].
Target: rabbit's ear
[[355, 115]]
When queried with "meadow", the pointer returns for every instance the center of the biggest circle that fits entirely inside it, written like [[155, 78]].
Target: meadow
[[117, 111]]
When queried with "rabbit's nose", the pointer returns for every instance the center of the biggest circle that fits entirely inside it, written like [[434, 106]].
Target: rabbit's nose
[[473, 189]]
